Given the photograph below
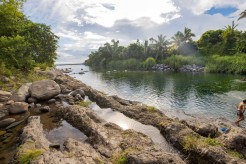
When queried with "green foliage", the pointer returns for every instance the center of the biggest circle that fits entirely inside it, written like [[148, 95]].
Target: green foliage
[[85, 103], [149, 63], [28, 155], [235, 154], [24, 43], [227, 64], [151, 108], [129, 64], [212, 141]]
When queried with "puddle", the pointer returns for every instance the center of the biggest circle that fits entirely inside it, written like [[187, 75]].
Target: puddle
[[126, 123], [64, 131]]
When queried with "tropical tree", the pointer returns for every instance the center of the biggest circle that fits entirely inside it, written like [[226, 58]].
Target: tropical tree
[[160, 46], [188, 35], [242, 15]]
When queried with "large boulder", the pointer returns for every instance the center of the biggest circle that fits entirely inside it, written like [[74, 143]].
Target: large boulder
[[4, 96], [22, 93], [44, 89], [18, 108]]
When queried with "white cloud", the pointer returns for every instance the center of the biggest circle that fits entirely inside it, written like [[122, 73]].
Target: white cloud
[[84, 25]]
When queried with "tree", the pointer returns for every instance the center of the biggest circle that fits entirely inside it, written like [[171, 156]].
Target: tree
[[188, 35], [160, 46], [242, 15]]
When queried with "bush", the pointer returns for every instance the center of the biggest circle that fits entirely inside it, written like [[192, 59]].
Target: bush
[[149, 63], [130, 64], [227, 64]]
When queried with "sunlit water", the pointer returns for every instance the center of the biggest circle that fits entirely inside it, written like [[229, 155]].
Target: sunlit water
[[175, 94]]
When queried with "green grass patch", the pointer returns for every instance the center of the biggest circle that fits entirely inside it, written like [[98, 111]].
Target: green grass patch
[[85, 103], [235, 154], [28, 155], [121, 157], [151, 108]]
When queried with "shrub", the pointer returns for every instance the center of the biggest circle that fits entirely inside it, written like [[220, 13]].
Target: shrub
[[149, 63], [30, 155]]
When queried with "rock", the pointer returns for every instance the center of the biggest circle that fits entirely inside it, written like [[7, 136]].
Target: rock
[[18, 107], [22, 93], [5, 79], [52, 101], [2, 133], [32, 100], [9, 102], [192, 68], [78, 97], [6, 122], [44, 89], [38, 105], [44, 109], [64, 90], [4, 96], [32, 105], [55, 146], [202, 127], [78, 91]]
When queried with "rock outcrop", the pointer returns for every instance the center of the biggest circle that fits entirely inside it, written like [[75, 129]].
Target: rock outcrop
[[18, 108], [22, 93], [44, 89], [4, 96]]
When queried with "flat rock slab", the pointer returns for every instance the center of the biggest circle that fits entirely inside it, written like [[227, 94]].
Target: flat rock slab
[[6, 122], [44, 89]]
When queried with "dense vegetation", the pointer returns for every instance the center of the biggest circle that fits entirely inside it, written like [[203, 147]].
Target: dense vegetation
[[23, 43], [222, 50]]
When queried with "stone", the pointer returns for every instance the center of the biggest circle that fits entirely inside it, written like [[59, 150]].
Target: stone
[[4, 96], [55, 146], [2, 132], [22, 93], [32, 100], [52, 101], [32, 105], [18, 108], [9, 102], [44, 89], [78, 91], [38, 105], [44, 109], [78, 97], [6, 122]]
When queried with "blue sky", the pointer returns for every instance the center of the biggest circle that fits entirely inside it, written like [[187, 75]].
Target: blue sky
[[84, 25]]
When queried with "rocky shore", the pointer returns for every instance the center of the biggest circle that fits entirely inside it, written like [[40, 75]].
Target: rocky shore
[[184, 68], [198, 140]]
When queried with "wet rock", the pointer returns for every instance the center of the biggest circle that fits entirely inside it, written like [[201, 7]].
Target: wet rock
[[4, 96], [162, 67], [52, 101], [44, 109], [6, 122], [51, 90], [18, 108], [192, 68], [32, 100], [22, 93]]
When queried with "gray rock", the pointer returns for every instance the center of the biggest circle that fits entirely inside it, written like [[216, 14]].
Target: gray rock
[[52, 101], [9, 102], [22, 93], [32, 100], [4, 96], [38, 105], [78, 97], [44, 89], [44, 109], [18, 107], [32, 105], [78, 91], [6, 122]]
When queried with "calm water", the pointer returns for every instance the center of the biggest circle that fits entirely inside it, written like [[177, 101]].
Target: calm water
[[175, 94]]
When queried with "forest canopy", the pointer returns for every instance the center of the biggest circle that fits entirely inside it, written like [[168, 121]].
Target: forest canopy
[[23, 43]]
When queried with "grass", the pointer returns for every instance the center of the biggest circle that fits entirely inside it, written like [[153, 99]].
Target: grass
[[121, 157], [235, 154], [151, 108], [28, 155], [85, 103], [193, 142]]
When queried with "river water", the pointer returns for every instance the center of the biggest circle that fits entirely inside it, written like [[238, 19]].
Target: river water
[[175, 94]]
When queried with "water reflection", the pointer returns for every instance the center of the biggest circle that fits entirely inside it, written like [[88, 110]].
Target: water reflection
[[213, 95]]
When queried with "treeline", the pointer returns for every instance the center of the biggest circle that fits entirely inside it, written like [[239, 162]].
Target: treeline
[[23, 43], [222, 50]]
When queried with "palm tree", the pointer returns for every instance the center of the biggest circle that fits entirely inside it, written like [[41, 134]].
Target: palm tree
[[178, 39], [242, 15], [188, 35], [112, 49], [160, 45]]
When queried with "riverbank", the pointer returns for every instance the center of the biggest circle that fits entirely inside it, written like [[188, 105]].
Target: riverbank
[[110, 143]]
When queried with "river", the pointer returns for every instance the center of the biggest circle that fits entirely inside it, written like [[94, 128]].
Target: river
[[175, 94]]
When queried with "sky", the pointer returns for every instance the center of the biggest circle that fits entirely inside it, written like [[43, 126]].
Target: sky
[[84, 25]]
